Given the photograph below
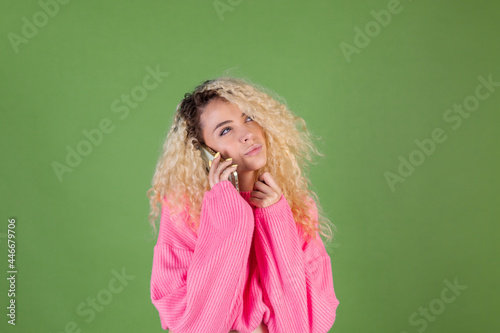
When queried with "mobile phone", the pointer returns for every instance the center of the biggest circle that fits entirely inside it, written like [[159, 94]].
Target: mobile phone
[[208, 155]]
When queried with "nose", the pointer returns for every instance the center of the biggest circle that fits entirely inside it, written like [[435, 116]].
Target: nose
[[246, 135]]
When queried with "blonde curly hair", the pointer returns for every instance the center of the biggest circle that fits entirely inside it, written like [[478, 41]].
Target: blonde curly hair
[[180, 179]]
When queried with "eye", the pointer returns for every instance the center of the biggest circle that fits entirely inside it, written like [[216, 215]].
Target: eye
[[229, 128], [225, 128]]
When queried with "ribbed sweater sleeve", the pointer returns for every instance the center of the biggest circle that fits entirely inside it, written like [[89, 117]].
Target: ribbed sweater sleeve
[[199, 290], [296, 275]]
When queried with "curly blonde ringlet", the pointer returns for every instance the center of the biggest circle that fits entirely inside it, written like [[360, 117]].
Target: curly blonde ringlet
[[181, 174]]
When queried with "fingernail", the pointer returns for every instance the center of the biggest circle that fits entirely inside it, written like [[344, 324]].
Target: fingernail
[[216, 155], [210, 164], [229, 159], [234, 165]]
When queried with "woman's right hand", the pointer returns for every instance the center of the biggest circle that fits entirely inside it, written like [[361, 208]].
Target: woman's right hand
[[220, 171]]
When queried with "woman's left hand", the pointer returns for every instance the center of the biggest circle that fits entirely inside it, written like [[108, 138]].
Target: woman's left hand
[[265, 191]]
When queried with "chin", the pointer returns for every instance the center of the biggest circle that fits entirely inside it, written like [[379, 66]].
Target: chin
[[255, 166], [261, 165], [257, 163]]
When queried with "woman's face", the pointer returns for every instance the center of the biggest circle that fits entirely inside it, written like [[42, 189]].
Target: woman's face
[[228, 131]]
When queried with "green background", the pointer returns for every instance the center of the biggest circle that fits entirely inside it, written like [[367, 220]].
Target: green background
[[395, 247]]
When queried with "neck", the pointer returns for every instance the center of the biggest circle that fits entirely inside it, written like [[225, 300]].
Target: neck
[[246, 180]]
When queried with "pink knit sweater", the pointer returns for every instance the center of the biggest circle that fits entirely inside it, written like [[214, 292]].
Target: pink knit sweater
[[247, 265]]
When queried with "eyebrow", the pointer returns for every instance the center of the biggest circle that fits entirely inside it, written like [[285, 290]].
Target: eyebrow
[[225, 122]]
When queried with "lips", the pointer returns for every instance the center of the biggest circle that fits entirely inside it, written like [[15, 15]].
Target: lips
[[253, 149]]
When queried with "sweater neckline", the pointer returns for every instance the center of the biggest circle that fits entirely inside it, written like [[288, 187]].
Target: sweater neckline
[[245, 194]]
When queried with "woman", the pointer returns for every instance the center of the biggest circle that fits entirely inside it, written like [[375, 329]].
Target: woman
[[242, 261]]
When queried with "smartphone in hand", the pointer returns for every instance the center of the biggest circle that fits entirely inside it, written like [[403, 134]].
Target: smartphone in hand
[[208, 155]]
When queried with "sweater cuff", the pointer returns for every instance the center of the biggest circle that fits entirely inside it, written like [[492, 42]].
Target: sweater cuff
[[224, 187]]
